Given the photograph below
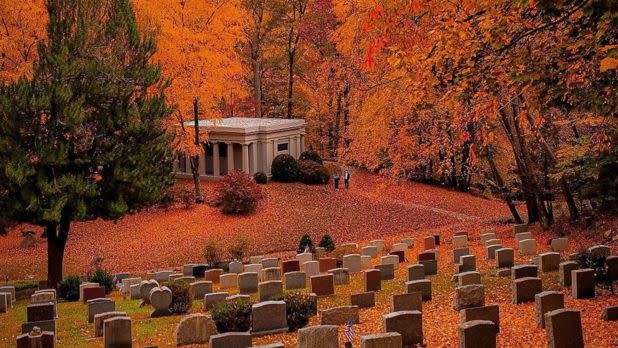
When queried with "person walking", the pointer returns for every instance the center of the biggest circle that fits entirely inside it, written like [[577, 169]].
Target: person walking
[[336, 180], [346, 178]]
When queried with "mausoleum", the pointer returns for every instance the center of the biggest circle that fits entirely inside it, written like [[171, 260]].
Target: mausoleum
[[243, 143]]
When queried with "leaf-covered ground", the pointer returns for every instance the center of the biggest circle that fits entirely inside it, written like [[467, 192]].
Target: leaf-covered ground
[[157, 238]]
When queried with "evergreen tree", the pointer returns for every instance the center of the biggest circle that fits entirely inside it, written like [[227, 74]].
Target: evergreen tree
[[84, 138]]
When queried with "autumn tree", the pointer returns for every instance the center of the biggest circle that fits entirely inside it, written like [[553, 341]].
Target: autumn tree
[[84, 138]]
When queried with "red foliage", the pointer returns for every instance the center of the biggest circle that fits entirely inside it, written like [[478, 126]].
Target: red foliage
[[237, 193]]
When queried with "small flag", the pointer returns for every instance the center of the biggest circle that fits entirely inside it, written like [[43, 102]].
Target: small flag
[[349, 331]]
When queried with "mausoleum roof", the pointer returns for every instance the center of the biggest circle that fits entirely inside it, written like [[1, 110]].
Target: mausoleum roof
[[248, 125]]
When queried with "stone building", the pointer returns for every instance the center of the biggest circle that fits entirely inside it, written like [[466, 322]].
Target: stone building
[[249, 144]]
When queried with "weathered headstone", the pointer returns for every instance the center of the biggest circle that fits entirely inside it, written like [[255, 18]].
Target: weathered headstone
[[459, 252], [401, 256], [98, 306], [519, 228], [268, 317], [161, 299], [399, 247], [304, 257], [525, 288], [409, 324], [352, 262], [162, 276], [187, 269], [230, 340], [469, 296], [559, 244], [10, 290], [564, 328], [505, 258], [270, 273], [487, 236], [600, 251], [416, 272], [228, 281], [366, 262], [373, 280], [547, 301], [477, 334], [270, 262], [527, 247], [256, 258], [387, 271], [253, 267], [323, 285], [248, 282], [117, 333], [36, 338], [423, 286], [339, 315], [323, 336], [370, 250], [125, 287], [390, 260], [290, 266], [460, 242], [582, 283], [363, 299], [523, 271], [201, 288], [521, 236], [429, 242], [295, 280], [612, 267], [213, 275], [564, 269], [490, 251], [327, 263], [468, 263], [412, 301], [490, 312], [409, 242], [101, 317], [549, 262], [40, 311], [269, 288], [5, 302], [491, 242], [236, 267], [469, 278], [430, 266], [144, 290], [378, 243], [311, 268], [194, 329], [213, 298], [383, 340], [341, 276]]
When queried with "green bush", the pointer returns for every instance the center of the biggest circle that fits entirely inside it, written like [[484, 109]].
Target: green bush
[[181, 296], [234, 316], [602, 277], [305, 242], [299, 308], [327, 243], [284, 168], [237, 193], [310, 155], [69, 288], [25, 285], [260, 178], [104, 279], [312, 173]]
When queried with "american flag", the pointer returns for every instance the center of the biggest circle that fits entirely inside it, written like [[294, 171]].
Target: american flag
[[348, 331]]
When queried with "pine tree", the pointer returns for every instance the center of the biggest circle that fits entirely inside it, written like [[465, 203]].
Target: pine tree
[[84, 138]]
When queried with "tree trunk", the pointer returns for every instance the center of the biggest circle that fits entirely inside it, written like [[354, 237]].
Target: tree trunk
[[56, 241], [500, 181], [195, 160], [290, 82]]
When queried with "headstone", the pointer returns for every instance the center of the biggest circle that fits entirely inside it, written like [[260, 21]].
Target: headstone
[[409, 242], [378, 243], [213, 298], [174, 276], [401, 256], [82, 286], [98, 306], [612, 267], [493, 242], [248, 282], [459, 252], [409, 324], [527, 247], [161, 299], [523, 271], [5, 302], [429, 242], [323, 336], [134, 292], [304, 257], [460, 242], [228, 281], [162, 276], [319, 252], [238, 297], [40, 311], [268, 317], [352, 262], [253, 267], [549, 262], [269, 288], [213, 275], [423, 286], [390, 259], [416, 272], [582, 283], [564, 269], [194, 329], [363, 299], [10, 290], [230, 340], [43, 325], [564, 328], [366, 262], [36, 338], [383, 340], [101, 317], [469, 296], [327, 263], [187, 269], [505, 258], [430, 266], [270, 262], [427, 255], [399, 247], [491, 251], [468, 263], [519, 228], [236, 267], [469, 278], [387, 271], [341, 276], [477, 334], [490, 312], [600, 251], [271, 273], [117, 332], [373, 280], [610, 313], [256, 258], [188, 279], [323, 285], [201, 288], [487, 236], [407, 302], [144, 289], [521, 236], [199, 271], [295, 280], [547, 301], [290, 266], [559, 244], [339, 315], [524, 289], [311, 268]]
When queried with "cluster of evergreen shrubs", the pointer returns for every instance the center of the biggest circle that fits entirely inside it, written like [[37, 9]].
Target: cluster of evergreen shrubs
[[308, 169]]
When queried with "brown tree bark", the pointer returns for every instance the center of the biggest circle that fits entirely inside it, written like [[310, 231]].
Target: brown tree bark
[[57, 236], [195, 160], [501, 186]]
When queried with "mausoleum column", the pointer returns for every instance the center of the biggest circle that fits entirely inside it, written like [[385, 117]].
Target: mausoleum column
[[292, 146], [269, 156], [254, 157], [302, 143], [216, 170], [230, 157], [245, 158]]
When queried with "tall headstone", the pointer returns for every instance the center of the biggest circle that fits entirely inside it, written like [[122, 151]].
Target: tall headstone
[[409, 324], [117, 333], [477, 334], [564, 328], [547, 301]]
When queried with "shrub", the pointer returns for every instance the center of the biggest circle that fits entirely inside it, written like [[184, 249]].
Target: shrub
[[239, 248], [310, 155], [305, 242], [181, 296], [237, 193], [103, 278], [299, 308], [327, 243], [602, 277], [69, 288], [260, 178], [284, 168], [25, 285], [312, 173], [234, 316], [212, 252]]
